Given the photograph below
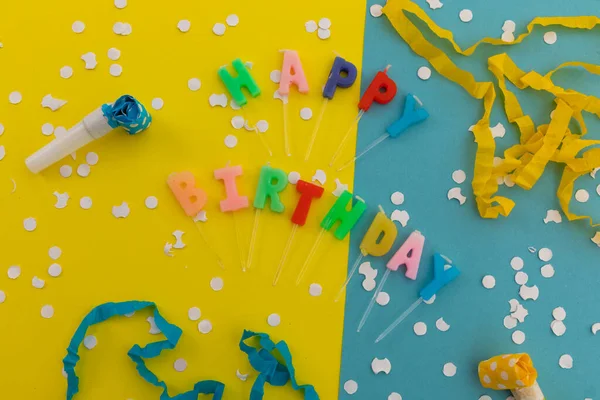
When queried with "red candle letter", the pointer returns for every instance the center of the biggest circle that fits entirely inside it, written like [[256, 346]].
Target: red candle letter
[[381, 90], [308, 192]]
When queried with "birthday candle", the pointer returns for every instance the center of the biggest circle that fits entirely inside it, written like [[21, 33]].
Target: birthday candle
[[308, 192], [338, 213], [343, 74], [381, 90], [413, 113], [192, 200], [408, 254], [292, 73], [378, 240], [233, 201], [270, 183], [444, 272]]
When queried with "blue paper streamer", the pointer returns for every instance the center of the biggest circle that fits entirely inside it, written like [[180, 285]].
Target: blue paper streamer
[[137, 354], [270, 369], [127, 113]]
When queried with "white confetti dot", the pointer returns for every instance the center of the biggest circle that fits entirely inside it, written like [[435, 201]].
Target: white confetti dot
[[508, 37], [54, 270], [47, 129], [420, 328], [180, 365], [324, 23], [194, 84], [596, 328], [274, 320], [545, 254], [394, 396], [558, 328], [151, 202], [485, 397], [547, 271], [509, 26], [120, 4], [518, 337], [2, 297], [122, 211], [465, 15], [275, 76], [550, 37], [510, 322], [54, 252], [119, 28], [231, 141], [311, 26], [488, 282], [350, 386], [66, 171], [116, 70], [517, 263], [78, 26], [29, 224], [459, 176], [442, 325], [38, 283], [194, 314], [306, 113], [83, 170], [114, 54], [232, 20], [1, 129], [216, 284], [2, 152], [565, 361], [91, 158], [158, 103], [238, 122], [205, 326], [449, 370], [521, 278], [90, 60], [127, 29], [397, 198], [559, 314], [597, 187], [383, 299], [262, 126], [582, 196], [315, 289], [15, 97], [424, 73], [293, 177], [47, 311], [376, 10], [219, 29], [14, 272], [85, 203], [430, 301], [184, 25], [90, 342], [66, 72], [324, 34]]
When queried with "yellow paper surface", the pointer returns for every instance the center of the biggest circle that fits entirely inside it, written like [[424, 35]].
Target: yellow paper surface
[[109, 259]]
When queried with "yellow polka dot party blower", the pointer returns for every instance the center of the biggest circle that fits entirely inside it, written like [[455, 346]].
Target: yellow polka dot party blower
[[514, 372]]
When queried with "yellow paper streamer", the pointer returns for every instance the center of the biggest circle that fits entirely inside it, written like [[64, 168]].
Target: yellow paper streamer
[[508, 371], [525, 162]]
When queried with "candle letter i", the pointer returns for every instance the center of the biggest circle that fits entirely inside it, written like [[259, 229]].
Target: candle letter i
[[292, 73]]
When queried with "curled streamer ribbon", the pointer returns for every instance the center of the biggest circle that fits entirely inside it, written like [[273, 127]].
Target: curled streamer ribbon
[[137, 354], [270, 370], [128, 113], [552, 142]]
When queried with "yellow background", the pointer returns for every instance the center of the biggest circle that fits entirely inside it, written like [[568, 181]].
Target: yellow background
[[108, 259]]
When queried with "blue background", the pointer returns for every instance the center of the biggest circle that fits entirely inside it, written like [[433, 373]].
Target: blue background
[[420, 164]]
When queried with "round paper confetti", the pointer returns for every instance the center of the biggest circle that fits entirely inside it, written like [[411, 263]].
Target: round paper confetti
[[306, 113], [383, 299], [565, 361], [47, 129], [517, 263], [442, 325], [194, 314], [37, 283], [559, 314], [424, 73], [485, 397], [216, 284], [151, 202], [350, 386], [509, 26], [219, 29], [521, 278], [194, 84], [83, 170], [120, 4], [54, 270], [180, 365], [582, 196], [376, 10], [550, 37], [449, 370], [29, 224], [66, 171], [558, 328], [397, 198], [510, 322], [204, 326], [184, 25], [597, 187], [293, 177], [459, 176], [547, 271], [14, 272], [231, 141], [78, 26], [1, 129], [15, 97], [488, 282], [85, 203], [274, 320], [324, 34], [315, 289], [232, 20], [66, 72], [126, 29], [545, 254], [262, 126], [47, 311], [238, 122], [90, 342], [54, 252], [420, 328], [91, 158], [116, 70], [465, 15], [157, 103], [114, 54], [518, 337], [119, 28], [275, 76], [310, 26], [508, 37], [2, 297], [324, 23]]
